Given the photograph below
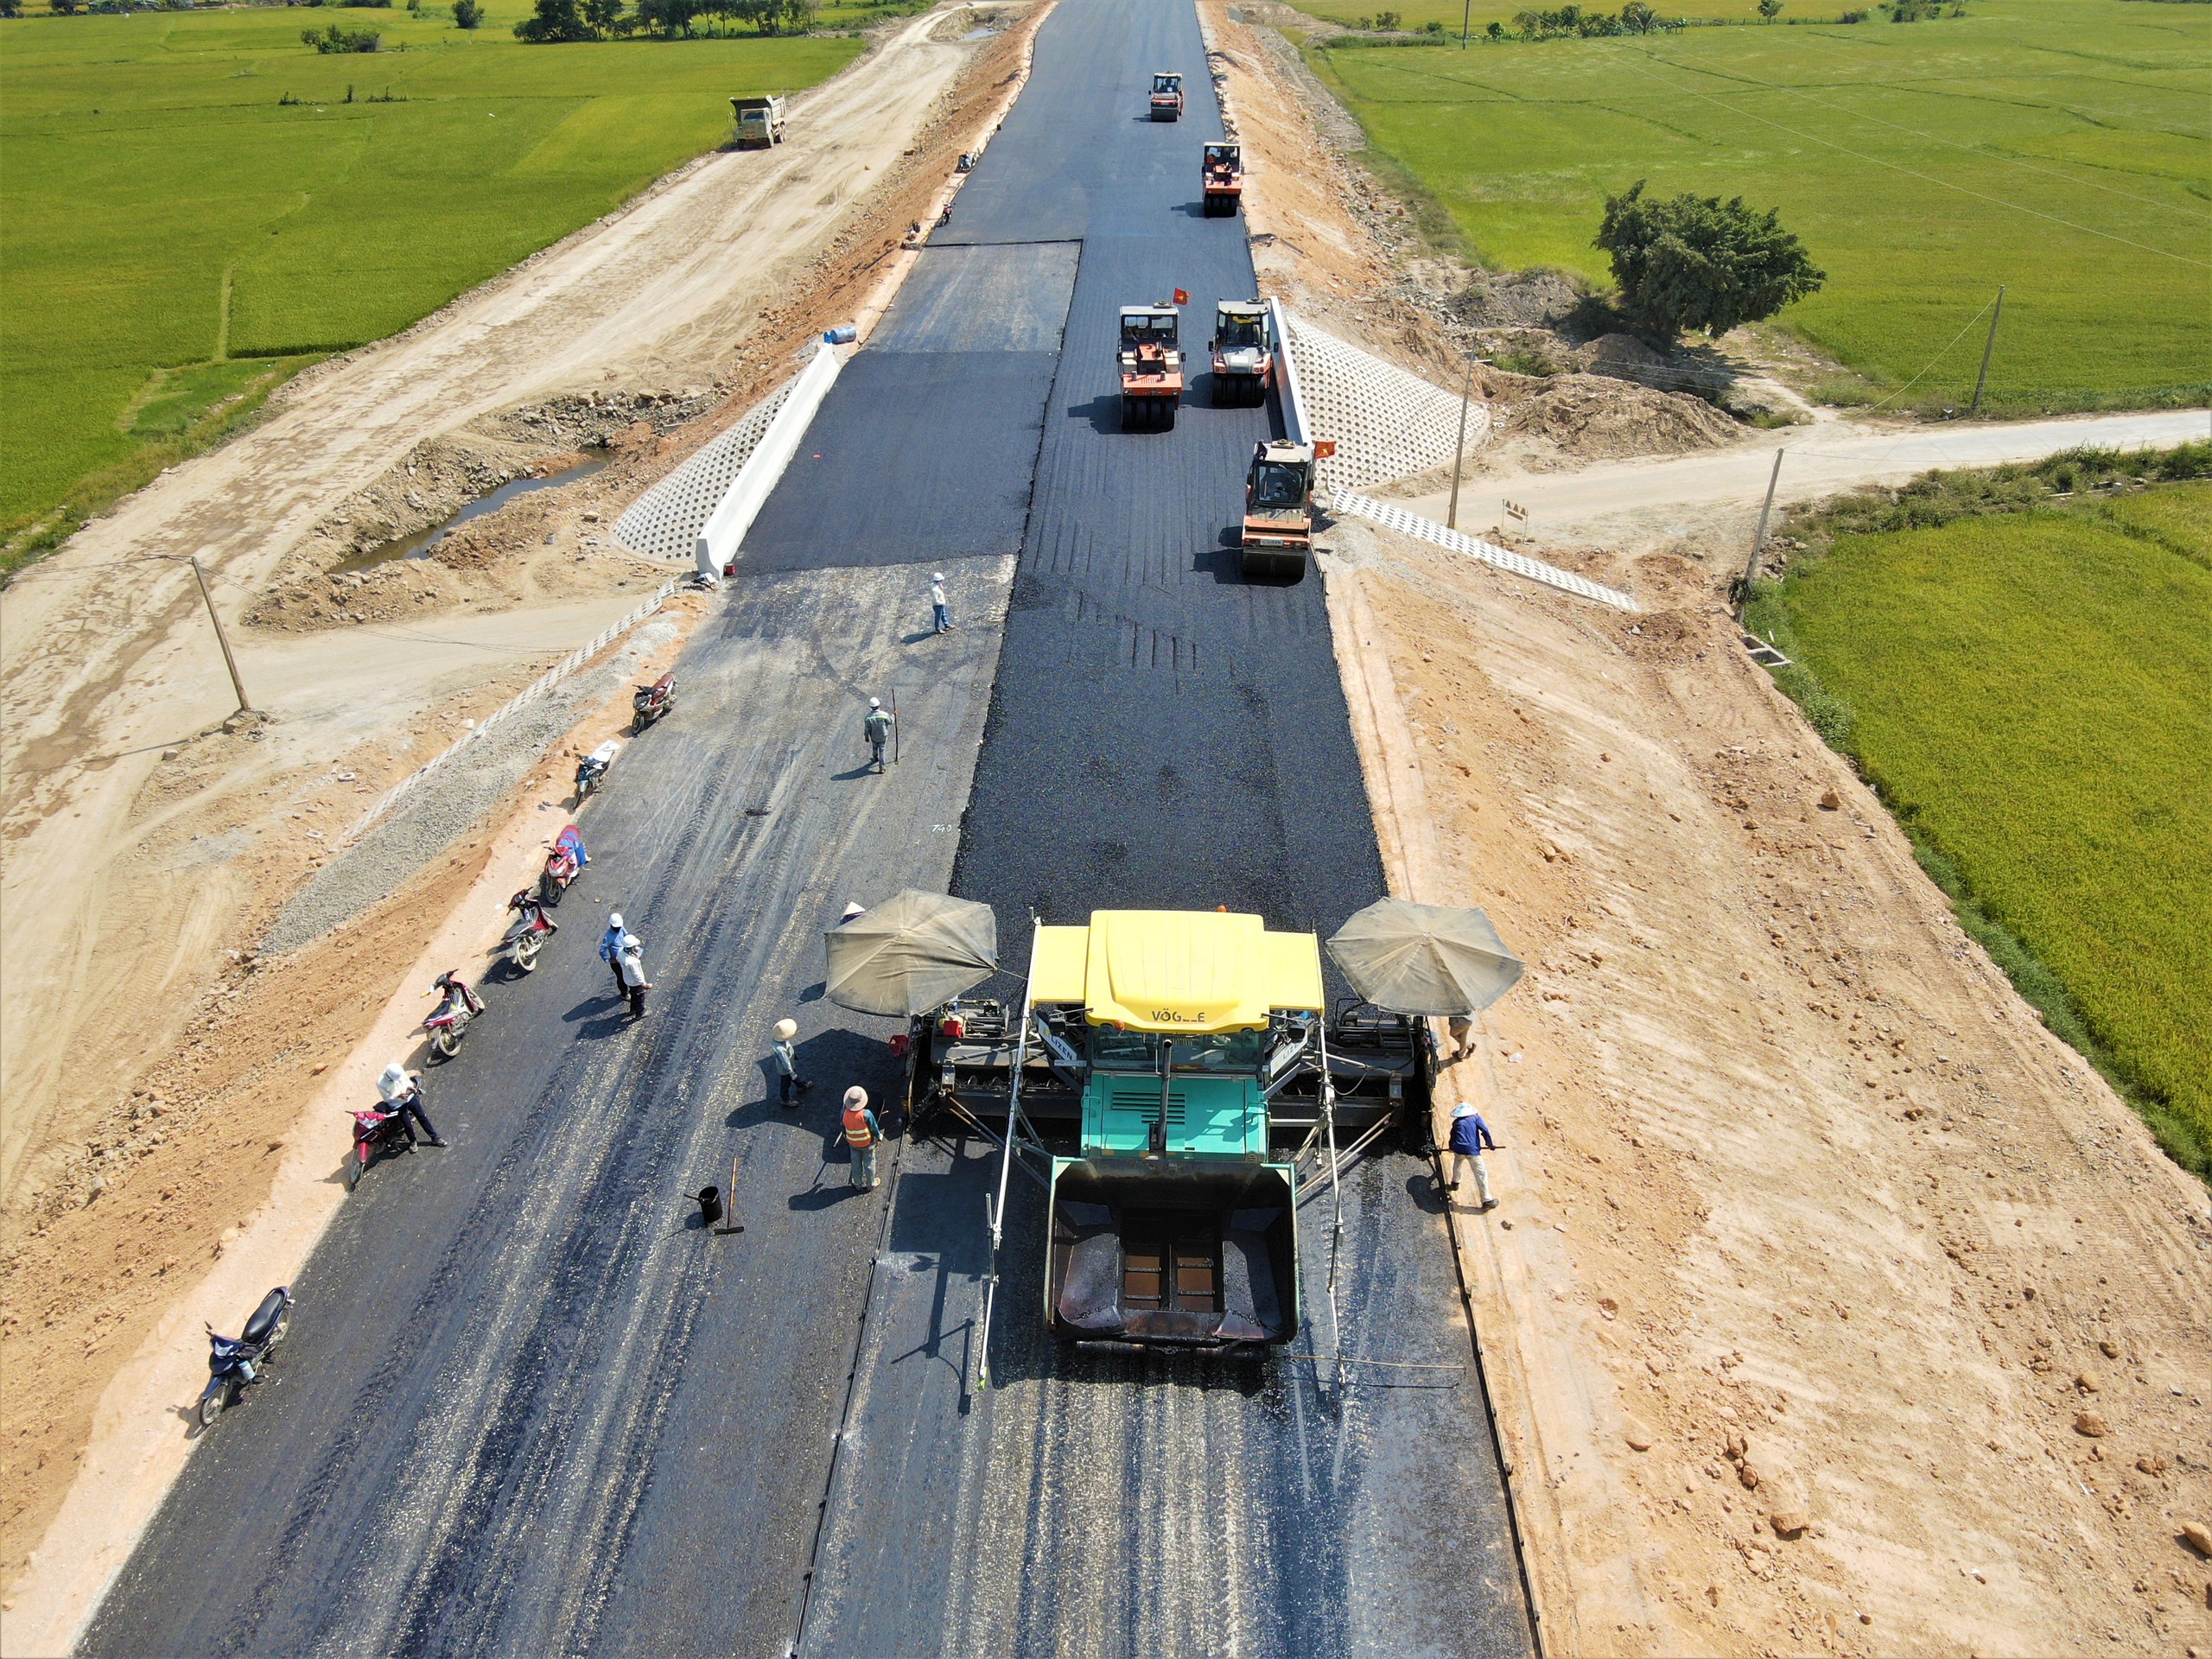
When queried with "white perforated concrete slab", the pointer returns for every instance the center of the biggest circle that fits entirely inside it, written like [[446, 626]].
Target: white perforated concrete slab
[[1387, 421], [1427, 530]]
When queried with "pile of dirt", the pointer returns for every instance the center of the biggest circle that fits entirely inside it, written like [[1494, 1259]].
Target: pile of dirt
[[1525, 299], [1595, 417]]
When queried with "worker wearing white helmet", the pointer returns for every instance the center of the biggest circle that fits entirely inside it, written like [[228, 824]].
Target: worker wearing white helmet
[[610, 949], [402, 1095], [941, 618], [876, 726], [788, 1081]]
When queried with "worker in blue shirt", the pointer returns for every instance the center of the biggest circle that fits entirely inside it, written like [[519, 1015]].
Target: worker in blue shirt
[[1470, 1135]]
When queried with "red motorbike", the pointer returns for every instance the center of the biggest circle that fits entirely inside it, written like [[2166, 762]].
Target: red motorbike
[[448, 1022], [563, 864], [527, 933], [651, 701], [374, 1131]]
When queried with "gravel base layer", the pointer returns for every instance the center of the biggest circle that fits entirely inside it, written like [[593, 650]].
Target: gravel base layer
[[446, 804]]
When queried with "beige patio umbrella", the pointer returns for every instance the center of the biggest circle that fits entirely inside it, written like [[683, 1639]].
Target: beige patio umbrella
[[1437, 959], [910, 953]]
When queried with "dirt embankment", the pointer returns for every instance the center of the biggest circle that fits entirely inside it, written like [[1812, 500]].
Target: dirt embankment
[[1840, 1307], [168, 1134]]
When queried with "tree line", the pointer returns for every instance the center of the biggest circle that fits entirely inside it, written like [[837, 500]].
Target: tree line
[[604, 20]]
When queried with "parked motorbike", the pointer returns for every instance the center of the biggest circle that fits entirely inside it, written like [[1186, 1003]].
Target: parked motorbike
[[375, 1130], [563, 864], [527, 933], [593, 767], [448, 1022], [651, 702], [230, 1362]]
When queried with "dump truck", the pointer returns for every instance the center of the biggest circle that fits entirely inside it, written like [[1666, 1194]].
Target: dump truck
[[759, 122], [1244, 354], [1166, 1076], [1220, 176], [1151, 366], [1278, 535], [1167, 96]]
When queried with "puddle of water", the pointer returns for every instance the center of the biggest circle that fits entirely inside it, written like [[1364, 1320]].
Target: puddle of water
[[419, 545]]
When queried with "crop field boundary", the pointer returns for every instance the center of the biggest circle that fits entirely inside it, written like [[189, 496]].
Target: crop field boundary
[[1931, 503]]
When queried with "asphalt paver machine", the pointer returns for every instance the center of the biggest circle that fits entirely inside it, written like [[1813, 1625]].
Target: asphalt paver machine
[[1278, 533], [1151, 356], [1176, 1082], [1221, 177], [1167, 96], [1244, 354]]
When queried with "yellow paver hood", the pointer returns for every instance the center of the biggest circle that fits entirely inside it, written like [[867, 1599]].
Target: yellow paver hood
[[1177, 970]]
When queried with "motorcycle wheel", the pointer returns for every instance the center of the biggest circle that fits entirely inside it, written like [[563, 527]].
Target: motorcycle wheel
[[213, 1401], [638, 722], [549, 890], [354, 1166], [526, 953], [446, 1041]]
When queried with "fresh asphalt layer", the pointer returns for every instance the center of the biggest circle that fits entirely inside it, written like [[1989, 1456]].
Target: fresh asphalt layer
[[530, 1407]]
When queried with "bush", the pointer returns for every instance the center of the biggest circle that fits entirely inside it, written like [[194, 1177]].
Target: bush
[[335, 39], [466, 13], [1696, 262]]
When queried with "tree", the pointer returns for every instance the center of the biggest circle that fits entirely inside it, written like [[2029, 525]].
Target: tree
[[466, 13], [1496, 31], [1639, 18], [554, 20], [1695, 262], [1770, 9], [603, 17]]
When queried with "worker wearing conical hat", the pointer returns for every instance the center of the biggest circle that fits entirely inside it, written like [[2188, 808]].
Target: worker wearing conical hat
[[785, 1059], [862, 1134]]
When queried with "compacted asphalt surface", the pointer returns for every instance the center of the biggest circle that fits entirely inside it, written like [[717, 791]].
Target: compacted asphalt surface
[[529, 1406]]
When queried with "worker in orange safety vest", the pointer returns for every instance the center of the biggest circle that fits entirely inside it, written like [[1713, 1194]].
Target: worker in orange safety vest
[[862, 1133]]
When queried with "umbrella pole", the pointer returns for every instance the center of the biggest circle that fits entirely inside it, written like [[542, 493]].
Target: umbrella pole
[[997, 1211], [1337, 1199]]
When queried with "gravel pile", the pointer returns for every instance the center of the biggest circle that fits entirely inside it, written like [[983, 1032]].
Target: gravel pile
[[444, 805]]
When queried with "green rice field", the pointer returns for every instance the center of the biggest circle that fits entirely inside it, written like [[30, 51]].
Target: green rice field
[[2032, 694], [178, 238], [2060, 148]]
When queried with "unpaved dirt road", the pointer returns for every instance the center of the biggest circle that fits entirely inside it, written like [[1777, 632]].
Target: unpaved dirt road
[[108, 659], [1643, 503]]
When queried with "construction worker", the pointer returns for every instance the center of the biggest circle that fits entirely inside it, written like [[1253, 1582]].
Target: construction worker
[[1462, 1027], [860, 1135], [610, 951], [789, 1082], [876, 727], [942, 619], [403, 1097], [630, 969], [1470, 1135]]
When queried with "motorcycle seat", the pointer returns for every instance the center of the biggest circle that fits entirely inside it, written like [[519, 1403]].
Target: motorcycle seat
[[265, 1318]]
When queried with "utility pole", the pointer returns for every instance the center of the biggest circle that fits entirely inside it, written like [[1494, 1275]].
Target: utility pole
[[245, 705], [1758, 542], [1466, 21], [1459, 450], [1987, 347]]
